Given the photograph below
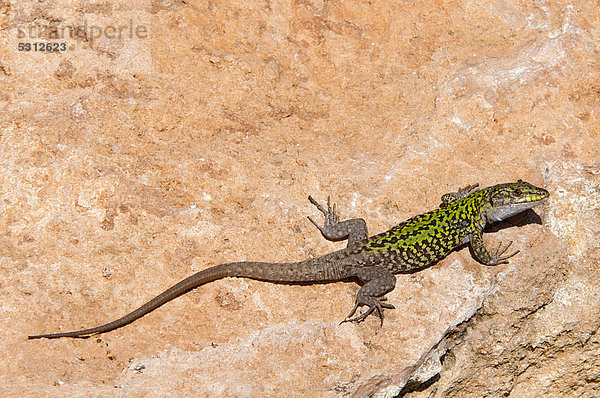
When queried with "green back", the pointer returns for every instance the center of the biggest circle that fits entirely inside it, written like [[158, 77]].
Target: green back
[[428, 237]]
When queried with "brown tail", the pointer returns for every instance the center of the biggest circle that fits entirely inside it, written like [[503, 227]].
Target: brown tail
[[199, 278], [306, 271]]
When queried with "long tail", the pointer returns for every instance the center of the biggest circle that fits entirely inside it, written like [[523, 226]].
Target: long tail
[[306, 271]]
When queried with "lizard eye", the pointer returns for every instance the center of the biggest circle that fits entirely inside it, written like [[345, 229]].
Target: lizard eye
[[518, 192]]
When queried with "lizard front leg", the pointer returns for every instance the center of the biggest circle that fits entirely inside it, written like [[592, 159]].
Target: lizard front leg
[[355, 230], [461, 193], [485, 257]]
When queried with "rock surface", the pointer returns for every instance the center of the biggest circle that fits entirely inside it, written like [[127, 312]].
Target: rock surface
[[172, 136]]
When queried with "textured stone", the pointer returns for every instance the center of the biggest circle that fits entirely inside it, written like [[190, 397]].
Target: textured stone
[[130, 162]]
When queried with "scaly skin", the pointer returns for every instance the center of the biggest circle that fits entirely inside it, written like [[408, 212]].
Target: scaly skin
[[408, 247]]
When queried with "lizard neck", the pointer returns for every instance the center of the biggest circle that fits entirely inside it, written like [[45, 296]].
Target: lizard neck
[[499, 213]]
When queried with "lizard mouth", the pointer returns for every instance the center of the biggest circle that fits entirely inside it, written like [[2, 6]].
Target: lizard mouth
[[504, 212]]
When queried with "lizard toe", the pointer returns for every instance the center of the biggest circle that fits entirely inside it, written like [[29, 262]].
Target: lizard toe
[[375, 305]]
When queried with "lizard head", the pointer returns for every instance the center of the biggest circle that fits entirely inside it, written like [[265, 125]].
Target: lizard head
[[509, 199]]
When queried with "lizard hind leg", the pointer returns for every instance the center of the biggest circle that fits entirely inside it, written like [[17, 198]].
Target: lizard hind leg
[[354, 230], [378, 282]]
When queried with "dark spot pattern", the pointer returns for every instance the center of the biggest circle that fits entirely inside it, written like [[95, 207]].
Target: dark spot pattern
[[427, 238]]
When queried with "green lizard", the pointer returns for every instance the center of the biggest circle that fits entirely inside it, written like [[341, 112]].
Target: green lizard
[[408, 247]]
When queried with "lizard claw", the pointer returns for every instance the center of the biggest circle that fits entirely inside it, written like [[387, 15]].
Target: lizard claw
[[497, 257], [374, 303], [330, 213]]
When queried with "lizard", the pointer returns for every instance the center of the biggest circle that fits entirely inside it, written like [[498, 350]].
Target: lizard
[[408, 247]]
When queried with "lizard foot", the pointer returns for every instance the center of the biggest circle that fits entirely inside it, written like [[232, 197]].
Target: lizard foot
[[354, 230], [497, 257], [331, 216], [454, 196], [374, 304]]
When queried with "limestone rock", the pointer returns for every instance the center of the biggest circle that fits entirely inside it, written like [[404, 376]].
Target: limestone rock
[[170, 136]]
